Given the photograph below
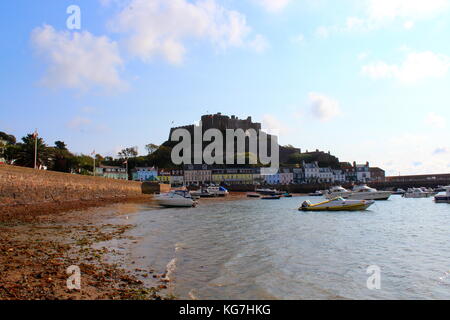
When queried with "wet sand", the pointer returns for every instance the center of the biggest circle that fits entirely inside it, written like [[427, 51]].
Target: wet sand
[[37, 246]]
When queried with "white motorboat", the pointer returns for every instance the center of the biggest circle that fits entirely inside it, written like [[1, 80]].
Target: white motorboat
[[419, 193], [337, 204], [444, 198], [399, 192], [268, 191], [364, 192], [361, 192], [217, 191], [337, 191], [178, 198], [210, 192]]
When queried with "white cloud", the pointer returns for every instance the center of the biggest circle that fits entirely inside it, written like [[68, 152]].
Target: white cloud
[[323, 107], [380, 13], [406, 9], [416, 67], [436, 121], [77, 60], [161, 28], [273, 5], [259, 44], [273, 125]]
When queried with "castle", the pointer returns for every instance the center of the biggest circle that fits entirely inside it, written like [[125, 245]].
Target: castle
[[224, 122]]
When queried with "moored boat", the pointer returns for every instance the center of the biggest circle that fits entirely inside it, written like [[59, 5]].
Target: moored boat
[[273, 197], [253, 195], [364, 192], [399, 192], [444, 198], [177, 198], [210, 192], [337, 204], [419, 193]]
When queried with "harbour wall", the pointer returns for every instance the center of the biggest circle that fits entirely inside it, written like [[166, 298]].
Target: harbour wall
[[25, 186]]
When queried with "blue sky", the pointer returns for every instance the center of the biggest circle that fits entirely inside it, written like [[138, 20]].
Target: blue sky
[[366, 79]]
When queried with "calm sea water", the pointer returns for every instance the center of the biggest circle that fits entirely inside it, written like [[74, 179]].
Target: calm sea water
[[256, 249]]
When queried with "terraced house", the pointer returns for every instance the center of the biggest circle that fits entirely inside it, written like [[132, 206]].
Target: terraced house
[[233, 176]]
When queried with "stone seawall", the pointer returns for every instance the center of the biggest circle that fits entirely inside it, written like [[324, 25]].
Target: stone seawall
[[25, 186]]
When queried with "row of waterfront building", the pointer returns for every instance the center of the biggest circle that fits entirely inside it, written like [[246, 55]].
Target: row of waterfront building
[[203, 174]]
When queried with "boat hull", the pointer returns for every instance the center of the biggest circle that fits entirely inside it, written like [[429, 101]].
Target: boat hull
[[442, 199], [379, 195], [339, 205]]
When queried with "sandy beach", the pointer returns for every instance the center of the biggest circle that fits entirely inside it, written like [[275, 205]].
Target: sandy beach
[[38, 244]]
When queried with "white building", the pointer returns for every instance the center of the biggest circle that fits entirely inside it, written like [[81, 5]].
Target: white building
[[339, 176], [312, 171], [326, 175], [362, 172]]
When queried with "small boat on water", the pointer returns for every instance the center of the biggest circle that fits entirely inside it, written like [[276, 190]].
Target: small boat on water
[[287, 195], [268, 191], [176, 199], [399, 192], [316, 194], [337, 204], [210, 192], [253, 195], [273, 197], [361, 192], [419, 193], [444, 198]]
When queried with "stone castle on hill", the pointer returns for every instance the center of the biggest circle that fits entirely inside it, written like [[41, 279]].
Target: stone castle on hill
[[223, 122]]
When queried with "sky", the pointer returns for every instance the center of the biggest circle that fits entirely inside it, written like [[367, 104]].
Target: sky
[[367, 80]]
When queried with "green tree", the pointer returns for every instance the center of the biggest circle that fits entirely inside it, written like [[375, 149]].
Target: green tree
[[128, 153], [151, 147], [26, 153]]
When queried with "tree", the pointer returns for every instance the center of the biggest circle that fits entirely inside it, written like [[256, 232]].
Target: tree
[[9, 138], [128, 153], [151, 147], [26, 152], [60, 145]]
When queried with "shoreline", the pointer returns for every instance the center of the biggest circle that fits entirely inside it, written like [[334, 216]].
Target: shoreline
[[29, 212], [37, 248]]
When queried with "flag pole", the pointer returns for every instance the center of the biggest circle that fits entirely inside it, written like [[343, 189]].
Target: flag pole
[[35, 149]]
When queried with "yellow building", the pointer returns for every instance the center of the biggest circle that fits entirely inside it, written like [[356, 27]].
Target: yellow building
[[233, 176]]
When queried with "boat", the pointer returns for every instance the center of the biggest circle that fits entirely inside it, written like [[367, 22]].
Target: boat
[[444, 198], [176, 198], [316, 194], [253, 195], [210, 192], [361, 192], [337, 204], [287, 195], [399, 192], [273, 197], [364, 192], [268, 191], [337, 191], [419, 193]]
